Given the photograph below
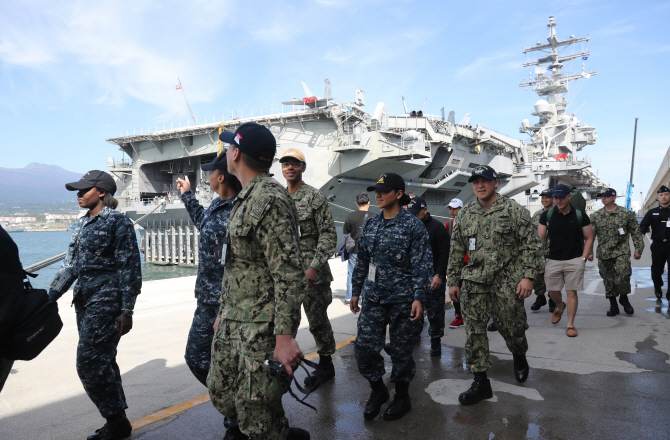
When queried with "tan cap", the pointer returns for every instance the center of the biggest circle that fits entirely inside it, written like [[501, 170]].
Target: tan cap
[[293, 153]]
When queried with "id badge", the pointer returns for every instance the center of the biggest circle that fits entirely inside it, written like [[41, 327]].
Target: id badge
[[621, 231], [224, 251], [473, 243], [372, 272]]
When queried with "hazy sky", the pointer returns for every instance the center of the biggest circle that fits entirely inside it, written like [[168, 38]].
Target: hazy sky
[[76, 73]]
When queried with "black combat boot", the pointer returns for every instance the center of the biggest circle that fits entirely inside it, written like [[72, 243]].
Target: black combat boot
[[521, 367], [614, 307], [378, 396], [387, 348], [324, 374], [541, 301], [117, 428], [435, 346], [492, 327], [623, 300], [234, 433], [659, 292], [401, 404], [552, 305], [480, 390], [298, 434]]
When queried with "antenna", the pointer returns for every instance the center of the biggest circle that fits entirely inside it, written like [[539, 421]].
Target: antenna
[[404, 105], [424, 105], [189, 107]]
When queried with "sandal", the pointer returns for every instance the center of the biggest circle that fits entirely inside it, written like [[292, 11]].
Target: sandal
[[571, 332], [557, 314]]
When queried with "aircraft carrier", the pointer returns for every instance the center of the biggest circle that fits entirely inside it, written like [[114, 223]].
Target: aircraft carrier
[[347, 148]]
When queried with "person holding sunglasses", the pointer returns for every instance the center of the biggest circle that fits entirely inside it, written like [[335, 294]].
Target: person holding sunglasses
[[104, 258]]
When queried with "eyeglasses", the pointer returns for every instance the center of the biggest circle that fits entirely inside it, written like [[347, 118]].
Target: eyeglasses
[[294, 164]]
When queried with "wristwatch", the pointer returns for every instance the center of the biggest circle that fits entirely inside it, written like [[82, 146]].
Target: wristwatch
[[127, 312]]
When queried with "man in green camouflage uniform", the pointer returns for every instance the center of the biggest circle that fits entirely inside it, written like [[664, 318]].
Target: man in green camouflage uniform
[[503, 260], [612, 225], [318, 240], [262, 291], [539, 287]]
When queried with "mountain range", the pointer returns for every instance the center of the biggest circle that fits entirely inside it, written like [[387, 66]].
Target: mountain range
[[36, 184]]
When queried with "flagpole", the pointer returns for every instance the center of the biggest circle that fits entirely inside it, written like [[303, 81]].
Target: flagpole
[[189, 107]]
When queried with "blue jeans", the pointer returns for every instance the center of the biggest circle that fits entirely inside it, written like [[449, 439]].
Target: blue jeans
[[353, 258]]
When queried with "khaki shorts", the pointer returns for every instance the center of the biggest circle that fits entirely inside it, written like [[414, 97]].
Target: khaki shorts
[[568, 273]]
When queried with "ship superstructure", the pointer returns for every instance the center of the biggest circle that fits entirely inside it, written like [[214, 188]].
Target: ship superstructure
[[558, 135]]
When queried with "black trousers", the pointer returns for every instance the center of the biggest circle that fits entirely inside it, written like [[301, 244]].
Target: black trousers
[[660, 255]]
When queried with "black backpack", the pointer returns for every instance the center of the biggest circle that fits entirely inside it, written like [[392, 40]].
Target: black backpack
[[37, 324]]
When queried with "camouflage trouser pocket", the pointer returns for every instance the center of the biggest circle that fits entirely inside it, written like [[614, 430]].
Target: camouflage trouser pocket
[[261, 387]]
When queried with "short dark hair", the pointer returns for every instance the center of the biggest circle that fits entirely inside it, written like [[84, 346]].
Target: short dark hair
[[252, 163], [362, 199]]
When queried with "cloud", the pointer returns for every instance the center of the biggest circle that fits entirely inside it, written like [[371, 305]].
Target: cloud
[[123, 49], [504, 60]]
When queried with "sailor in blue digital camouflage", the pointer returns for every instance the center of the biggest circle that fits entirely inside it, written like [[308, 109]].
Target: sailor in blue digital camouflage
[[614, 226], [318, 240], [539, 286], [104, 258], [263, 287], [392, 275], [504, 257], [212, 224]]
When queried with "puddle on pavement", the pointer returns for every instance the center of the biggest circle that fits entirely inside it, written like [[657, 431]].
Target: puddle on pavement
[[647, 356]]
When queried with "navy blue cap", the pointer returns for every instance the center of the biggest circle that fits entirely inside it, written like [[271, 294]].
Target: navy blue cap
[[94, 178], [219, 163], [663, 189], [254, 140], [609, 192], [389, 182], [561, 190], [416, 204], [483, 171], [547, 193]]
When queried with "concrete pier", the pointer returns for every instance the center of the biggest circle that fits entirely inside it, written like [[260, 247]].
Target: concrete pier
[[612, 381]]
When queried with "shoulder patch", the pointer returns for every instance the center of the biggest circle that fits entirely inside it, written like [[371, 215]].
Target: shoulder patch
[[318, 199], [260, 205]]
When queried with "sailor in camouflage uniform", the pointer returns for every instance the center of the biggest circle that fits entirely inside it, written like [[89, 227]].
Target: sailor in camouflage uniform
[[546, 198], [613, 225], [318, 240], [263, 286], [393, 273], [104, 258], [212, 223], [504, 258]]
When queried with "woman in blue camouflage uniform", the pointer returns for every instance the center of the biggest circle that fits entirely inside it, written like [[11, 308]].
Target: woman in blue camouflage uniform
[[104, 258], [212, 224], [393, 273]]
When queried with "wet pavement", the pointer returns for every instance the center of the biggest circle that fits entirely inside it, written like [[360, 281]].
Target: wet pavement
[[612, 381]]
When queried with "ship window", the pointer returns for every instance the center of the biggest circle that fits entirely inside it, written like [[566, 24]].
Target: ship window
[[455, 161], [460, 184], [473, 165]]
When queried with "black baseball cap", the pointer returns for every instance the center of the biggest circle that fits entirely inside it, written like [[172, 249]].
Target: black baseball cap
[[389, 182], [219, 163], [416, 204], [94, 178], [483, 171], [561, 190], [609, 192], [663, 189], [254, 140], [547, 193]]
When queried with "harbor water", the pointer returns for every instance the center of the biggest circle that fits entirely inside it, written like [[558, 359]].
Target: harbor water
[[37, 246]]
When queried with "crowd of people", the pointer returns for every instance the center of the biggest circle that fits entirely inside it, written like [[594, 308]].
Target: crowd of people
[[264, 250]]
